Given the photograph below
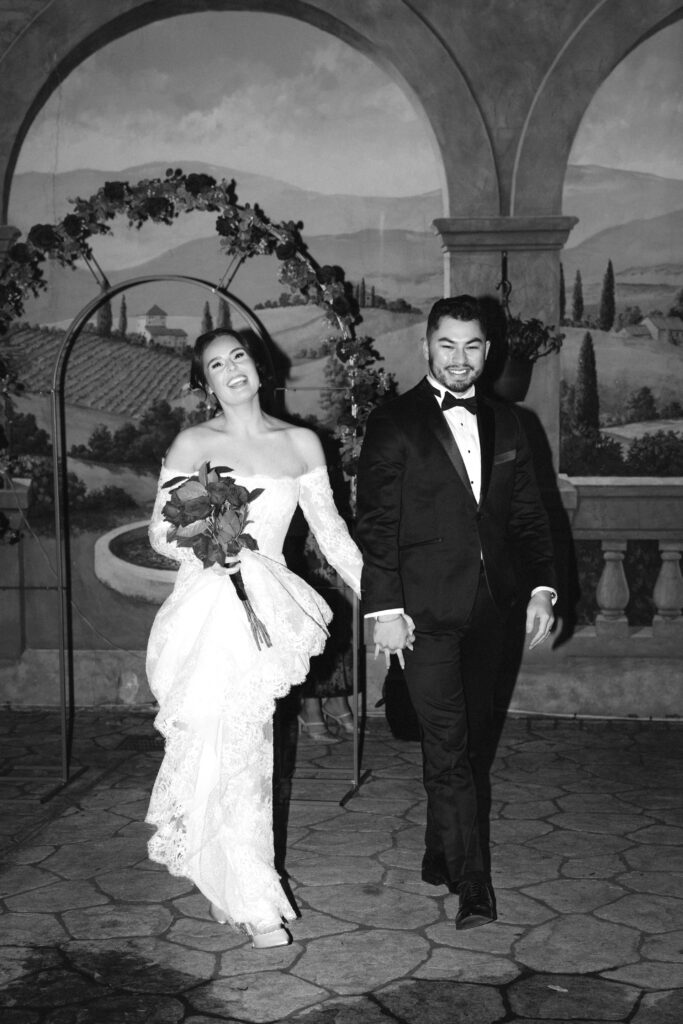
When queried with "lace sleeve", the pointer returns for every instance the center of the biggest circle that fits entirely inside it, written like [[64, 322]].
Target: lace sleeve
[[329, 529], [158, 527]]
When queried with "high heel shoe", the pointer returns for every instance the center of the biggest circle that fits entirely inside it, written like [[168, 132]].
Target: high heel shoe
[[316, 731], [217, 914], [266, 940], [344, 721]]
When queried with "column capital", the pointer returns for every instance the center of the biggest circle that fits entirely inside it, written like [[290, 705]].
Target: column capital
[[493, 234]]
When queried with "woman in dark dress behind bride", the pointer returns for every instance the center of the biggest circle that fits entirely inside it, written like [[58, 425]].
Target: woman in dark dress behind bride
[[215, 686]]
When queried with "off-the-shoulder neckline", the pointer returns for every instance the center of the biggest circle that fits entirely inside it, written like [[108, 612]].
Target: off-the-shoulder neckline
[[248, 476]]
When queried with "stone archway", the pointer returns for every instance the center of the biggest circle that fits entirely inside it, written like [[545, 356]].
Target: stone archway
[[405, 46], [604, 38]]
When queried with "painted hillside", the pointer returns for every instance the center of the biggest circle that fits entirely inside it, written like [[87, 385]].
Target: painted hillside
[[631, 218]]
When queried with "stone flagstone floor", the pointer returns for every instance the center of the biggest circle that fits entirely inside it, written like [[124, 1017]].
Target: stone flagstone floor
[[587, 831]]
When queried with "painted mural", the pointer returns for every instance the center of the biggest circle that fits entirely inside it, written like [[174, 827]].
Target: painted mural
[[312, 131]]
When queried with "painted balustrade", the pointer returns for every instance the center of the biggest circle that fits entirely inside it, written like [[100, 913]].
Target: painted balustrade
[[615, 510]]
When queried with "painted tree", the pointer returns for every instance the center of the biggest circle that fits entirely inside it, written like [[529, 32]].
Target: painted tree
[[207, 319], [105, 319], [641, 406], [362, 296], [577, 299], [607, 304], [677, 308], [629, 315], [123, 317], [586, 401], [373, 297], [224, 319], [563, 295]]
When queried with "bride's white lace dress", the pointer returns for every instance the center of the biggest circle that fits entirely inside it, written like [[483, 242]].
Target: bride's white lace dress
[[212, 800]]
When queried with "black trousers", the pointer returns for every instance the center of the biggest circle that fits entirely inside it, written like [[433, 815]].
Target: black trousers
[[451, 678]]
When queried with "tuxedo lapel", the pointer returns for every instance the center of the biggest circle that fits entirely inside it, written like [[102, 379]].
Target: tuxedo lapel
[[486, 425], [435, 421]]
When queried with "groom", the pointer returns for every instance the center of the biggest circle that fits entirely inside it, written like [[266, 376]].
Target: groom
[[447, 508]]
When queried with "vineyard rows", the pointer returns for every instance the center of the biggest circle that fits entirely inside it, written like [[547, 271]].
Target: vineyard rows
[[102, 373]]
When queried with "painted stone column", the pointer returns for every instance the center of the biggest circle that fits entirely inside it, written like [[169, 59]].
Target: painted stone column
[[7, 236], [12, 636], [473, 248]]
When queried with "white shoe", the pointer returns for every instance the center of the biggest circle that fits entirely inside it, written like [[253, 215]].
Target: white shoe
[[217, 914], [266, 940]]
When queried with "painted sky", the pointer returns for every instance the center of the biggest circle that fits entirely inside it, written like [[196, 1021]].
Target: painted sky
[[254, 92], [271, 95], [635, 121]]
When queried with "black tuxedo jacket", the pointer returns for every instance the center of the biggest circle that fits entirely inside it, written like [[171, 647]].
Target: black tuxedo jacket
[[422, 533]]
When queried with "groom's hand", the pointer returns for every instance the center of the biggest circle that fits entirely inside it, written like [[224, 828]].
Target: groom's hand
[[392, 635], [539, 618]]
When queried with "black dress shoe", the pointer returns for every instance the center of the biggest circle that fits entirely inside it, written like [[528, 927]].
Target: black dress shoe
[[477, 905]]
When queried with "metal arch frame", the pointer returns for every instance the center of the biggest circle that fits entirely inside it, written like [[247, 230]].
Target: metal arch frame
[[60, 477], [61, 514]]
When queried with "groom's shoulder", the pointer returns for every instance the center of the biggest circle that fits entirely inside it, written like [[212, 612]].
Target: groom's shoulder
[[398, 407]]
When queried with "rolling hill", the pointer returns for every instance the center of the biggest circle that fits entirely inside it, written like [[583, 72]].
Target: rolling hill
[[631, 218], [624, 365], [397, 263], [43, 198], [647, 256], [604, 197]]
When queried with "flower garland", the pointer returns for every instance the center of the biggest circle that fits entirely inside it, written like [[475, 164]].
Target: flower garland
[[244, 231]]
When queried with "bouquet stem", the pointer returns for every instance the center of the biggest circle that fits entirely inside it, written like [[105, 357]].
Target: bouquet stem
[[258, 629]]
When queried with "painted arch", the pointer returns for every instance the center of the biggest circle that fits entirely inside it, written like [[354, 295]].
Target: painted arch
[[608, 33], [66, 32]]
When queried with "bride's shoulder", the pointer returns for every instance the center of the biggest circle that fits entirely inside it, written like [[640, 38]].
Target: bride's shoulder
[[185, 451], [308, 447]]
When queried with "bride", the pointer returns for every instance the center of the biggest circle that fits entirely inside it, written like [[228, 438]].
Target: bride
[[211, 805]]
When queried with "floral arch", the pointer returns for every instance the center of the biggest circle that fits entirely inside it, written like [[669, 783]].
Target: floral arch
[[244, 231]]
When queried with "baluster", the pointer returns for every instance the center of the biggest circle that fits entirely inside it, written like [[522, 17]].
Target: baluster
[[612, 592], [668, 590]]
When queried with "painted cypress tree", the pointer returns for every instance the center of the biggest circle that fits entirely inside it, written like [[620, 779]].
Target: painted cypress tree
[[362, 297], [372, 296], [123, 317], [105, 319], [224, 318], [563, 295], [207, 319], [586, 401], [577, 299], [607, 306]]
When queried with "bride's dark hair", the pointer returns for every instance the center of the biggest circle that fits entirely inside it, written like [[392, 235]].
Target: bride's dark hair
[[197, 378]]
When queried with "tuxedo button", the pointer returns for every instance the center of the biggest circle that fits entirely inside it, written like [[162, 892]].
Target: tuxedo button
[[477, 516]]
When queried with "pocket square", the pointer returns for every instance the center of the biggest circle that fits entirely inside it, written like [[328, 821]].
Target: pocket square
[[504, 456]]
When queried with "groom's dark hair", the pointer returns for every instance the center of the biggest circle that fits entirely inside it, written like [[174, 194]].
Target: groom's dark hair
[[460, 307]]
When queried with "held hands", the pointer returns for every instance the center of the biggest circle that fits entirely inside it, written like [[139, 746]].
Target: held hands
[[391, 636], [539, 618]]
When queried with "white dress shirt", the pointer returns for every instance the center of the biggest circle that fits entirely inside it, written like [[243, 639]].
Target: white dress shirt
[[463, 426]]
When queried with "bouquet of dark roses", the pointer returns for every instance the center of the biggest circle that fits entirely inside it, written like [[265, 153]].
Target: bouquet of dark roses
[[208, 512]]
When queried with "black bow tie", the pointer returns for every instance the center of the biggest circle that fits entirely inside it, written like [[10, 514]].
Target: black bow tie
[[449, 401]]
